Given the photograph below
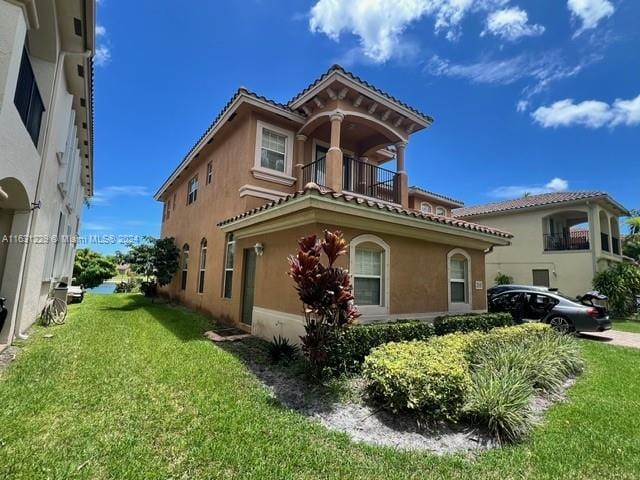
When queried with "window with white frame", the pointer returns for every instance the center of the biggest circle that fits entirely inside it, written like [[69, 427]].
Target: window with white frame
[[273, 150], [459, 278], [203, 265], [425, 207], [368, 275], [209, 172], [192, 190], [185, 266], [441, 211], [228, 266]]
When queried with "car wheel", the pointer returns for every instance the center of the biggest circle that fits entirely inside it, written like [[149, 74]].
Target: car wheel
[[561, 324]]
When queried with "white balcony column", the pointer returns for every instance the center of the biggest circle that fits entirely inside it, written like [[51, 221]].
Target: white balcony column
[[403, 180], [334, 155], [300, 141]]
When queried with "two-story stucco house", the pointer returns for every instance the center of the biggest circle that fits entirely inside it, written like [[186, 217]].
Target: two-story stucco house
[[266, 173], [560, 239], [46, 147]]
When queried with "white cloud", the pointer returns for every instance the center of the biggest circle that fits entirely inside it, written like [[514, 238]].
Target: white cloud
[[589, 113], [522, 105], [539, 70], [511, 24], [515, 191], [379, 24], [104, 196], [102, 55], [590, 12]]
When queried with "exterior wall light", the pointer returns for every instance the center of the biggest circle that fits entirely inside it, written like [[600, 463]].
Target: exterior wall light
[[259, 249]]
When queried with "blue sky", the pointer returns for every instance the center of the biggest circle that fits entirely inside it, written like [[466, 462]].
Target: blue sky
[[527, 95]]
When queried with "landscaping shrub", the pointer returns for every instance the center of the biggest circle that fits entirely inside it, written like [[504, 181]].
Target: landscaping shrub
[[349, 347], [127, 287], [503, 279], [504, 376], [501, 401], [489, 377], [326, 294], [280, 349], [423, 376], [620, 283], [471, 322]]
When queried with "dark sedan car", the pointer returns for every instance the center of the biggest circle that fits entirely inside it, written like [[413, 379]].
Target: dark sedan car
[[498, 289], [562, 313]]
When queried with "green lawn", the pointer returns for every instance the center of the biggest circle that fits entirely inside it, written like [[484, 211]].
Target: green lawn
[[631, 325], [127, 389]]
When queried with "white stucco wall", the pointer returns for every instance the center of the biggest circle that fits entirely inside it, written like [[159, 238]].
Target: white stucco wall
[[25, 271]]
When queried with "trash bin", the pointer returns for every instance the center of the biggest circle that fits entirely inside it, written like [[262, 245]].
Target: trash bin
[[61, 291]]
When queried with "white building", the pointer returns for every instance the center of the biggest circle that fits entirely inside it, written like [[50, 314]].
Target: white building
[[46, 147]]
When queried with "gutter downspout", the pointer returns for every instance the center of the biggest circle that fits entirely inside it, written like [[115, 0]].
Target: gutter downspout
[[34, 213]]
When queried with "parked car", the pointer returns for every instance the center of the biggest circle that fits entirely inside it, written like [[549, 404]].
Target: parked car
[[498, 289], [75, 294], [562, 313]]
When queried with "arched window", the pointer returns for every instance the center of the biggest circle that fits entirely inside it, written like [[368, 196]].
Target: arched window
[[203, 265], [441, 211], [369, 267], [185, 266], [458, 266], [425, 207]]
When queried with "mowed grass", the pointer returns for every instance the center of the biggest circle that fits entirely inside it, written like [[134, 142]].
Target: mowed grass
[[630, 325], [131, 390]]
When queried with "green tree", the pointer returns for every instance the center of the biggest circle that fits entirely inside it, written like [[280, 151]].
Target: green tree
[[631, 243], [503, 279], [156, 258], [90, 268], [620, 283]]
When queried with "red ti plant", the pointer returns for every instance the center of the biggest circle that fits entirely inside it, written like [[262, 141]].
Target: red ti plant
[[325, 291]]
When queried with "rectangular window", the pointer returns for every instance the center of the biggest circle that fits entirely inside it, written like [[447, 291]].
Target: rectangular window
[[168, 214], [203, 266], [209, 173], [540, 278], [458, 280], [185, 267], [28, 100], [192, 190], [174, 201], [228, 266], [367, 278], [273, 150]]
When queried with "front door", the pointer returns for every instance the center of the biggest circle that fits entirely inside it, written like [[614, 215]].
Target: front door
[[249, 285]]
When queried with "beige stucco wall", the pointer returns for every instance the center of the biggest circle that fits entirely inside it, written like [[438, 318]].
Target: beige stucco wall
[[569, 271]]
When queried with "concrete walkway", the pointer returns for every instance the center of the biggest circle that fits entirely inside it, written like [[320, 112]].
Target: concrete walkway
[[614, 337]]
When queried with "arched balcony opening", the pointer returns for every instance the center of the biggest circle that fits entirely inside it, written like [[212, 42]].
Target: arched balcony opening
[[347, 151], [615, 236], [567, 230], [605, 232]]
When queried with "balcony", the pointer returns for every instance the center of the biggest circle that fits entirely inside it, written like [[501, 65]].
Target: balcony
[[604, 242], [573, 240], [615, 242], [357, 177]]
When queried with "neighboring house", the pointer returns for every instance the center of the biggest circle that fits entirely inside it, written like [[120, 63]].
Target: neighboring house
[[46, 147], [265, 174], [428, 202], [560, 239]]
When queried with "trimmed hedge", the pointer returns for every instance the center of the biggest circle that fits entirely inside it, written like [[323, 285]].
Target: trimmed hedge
[[434, 376], [482, 322], [349, 347]]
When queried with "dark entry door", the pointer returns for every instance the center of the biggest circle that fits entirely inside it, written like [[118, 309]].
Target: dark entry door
[[249, 285]]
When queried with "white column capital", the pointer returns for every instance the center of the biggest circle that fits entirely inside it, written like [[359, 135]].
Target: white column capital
[[301, 138], [337, 116], [401, 144]]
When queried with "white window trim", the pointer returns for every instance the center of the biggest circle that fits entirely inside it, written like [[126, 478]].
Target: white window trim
[[458, 306], [443, 210], [202, 268], [386, 273], [192, 181], [209, 178], [184, 268], [268, 174], [230, 242], [429, 205]]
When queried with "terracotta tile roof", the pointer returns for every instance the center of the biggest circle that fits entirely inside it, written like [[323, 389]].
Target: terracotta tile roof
[[355, 78], [239, 91], [437, 195], [525, 202], [313, 189]]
